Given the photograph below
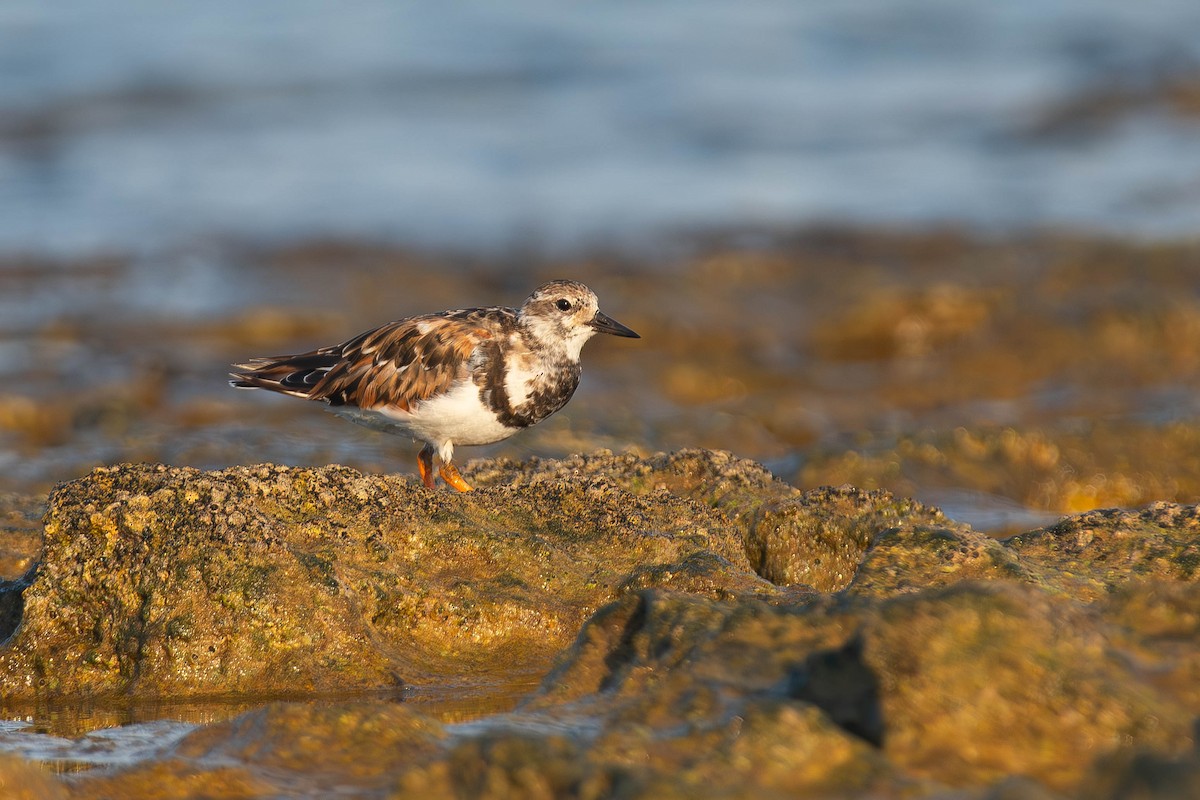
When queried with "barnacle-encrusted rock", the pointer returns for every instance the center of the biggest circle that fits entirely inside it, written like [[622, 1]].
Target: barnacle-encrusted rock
[[701, 629]]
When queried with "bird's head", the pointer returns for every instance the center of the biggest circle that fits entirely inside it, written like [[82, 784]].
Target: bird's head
[[566, 314]]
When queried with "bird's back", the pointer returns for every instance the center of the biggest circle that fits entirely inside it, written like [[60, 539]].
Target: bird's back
[[397, 364]]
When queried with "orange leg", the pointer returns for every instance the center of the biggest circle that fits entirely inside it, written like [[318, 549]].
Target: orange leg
[[450, 475], [425, 465]]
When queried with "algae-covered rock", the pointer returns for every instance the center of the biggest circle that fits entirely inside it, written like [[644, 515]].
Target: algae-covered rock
[[917, 557], [974, 691], [737, 487], [718, 634], [815, 538], [172, 580], [982, 681], [270, 579], [819, 537], [1098, 551], [963, 686]]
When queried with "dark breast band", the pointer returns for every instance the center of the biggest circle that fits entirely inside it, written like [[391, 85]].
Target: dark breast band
[[550, 392]]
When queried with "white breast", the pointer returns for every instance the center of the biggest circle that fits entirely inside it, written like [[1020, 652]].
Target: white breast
[[518, 381], [457, 417]]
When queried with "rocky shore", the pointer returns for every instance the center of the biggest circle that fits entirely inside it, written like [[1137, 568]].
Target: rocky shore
[[702, 629]]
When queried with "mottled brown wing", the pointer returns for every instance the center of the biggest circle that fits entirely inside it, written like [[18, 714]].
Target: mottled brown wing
[[403, 362]]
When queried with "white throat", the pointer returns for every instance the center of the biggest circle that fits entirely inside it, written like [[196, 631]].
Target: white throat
[[550, 334]]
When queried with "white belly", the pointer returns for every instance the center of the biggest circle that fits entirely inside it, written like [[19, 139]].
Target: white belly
[[457, 417]]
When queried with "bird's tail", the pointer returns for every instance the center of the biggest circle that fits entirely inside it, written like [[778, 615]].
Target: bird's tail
[[295, 375]]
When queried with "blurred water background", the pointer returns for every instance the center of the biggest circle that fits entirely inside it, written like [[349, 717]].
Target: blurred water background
[[131, 125], [186, 185]]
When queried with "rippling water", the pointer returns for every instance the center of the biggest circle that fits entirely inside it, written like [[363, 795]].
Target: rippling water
[[107, 748], [130, 124]]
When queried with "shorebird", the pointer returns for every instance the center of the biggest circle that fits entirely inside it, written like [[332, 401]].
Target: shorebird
[[465, 377]]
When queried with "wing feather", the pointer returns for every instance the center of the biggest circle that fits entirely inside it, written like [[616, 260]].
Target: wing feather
[[398, 364]]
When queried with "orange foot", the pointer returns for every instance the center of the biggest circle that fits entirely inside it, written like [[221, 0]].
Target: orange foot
[[450, 475]]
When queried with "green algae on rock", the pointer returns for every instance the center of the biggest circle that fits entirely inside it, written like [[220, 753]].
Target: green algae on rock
[[820, 537], [268, 579], [976, 690], [918, 557], [897, 654], [815, 538], [715, 478], [1098, 551], [961, 686]]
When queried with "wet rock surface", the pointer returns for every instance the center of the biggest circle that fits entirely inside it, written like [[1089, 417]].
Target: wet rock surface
[[703, 630]]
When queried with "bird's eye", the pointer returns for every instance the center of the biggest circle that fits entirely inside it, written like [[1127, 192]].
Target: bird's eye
[[563, 305]]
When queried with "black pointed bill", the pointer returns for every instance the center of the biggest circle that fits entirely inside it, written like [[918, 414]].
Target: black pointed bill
[[605, 324]]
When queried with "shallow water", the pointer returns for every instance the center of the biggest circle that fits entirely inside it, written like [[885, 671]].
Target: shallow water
[[106, 748], [79, 737]]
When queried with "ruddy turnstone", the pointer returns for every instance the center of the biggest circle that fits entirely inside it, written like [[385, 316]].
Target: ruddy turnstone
[[472, 376]]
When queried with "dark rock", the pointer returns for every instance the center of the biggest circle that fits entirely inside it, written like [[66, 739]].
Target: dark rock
[[842, 685], [1133, 775], [20, 548]]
